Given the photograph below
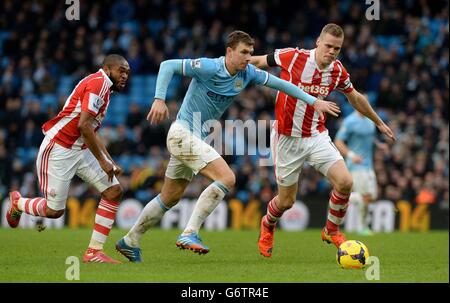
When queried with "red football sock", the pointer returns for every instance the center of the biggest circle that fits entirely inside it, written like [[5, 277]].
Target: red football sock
[[336, 211]]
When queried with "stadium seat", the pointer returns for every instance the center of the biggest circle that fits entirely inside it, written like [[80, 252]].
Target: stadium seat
[[390, 42], [30, 98], [120, 99], [133, 26], [49, 100], [137, 80], [150, 81], [155, 26], [138, 160], [65, 85], [3, 36], [27, 155], [136, 89], [125, 162], [114, 119], [372, 96]]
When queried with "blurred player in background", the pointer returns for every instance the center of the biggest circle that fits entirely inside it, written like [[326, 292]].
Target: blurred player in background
[[299, 134], [71, 147], [214, 85], [355, 140]]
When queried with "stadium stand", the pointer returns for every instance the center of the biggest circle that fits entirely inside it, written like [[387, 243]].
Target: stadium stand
[[401, 63]]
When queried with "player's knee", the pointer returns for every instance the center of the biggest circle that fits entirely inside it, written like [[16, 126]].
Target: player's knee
[[53, 214], [228, 179], [345, 185], [171, 198], [114, 193], [285, 202]]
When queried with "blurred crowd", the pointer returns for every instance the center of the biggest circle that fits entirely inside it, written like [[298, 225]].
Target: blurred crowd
[[400, 62]]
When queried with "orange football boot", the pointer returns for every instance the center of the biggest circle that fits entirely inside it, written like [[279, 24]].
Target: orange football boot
[[265, 242], [337, 238], [13, 214]]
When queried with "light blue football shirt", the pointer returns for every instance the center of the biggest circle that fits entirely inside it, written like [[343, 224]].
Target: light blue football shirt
[[359, 134], [212, 90]]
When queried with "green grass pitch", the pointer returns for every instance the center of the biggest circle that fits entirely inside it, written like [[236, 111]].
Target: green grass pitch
[[31, 256]]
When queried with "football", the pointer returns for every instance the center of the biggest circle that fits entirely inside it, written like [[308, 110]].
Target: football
[[352, 254]]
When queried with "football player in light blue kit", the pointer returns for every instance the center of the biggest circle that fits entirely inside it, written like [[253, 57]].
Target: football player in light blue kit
[[355, 140], [215, 82]]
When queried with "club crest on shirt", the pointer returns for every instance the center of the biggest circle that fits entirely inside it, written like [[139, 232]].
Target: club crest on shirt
[[238, 84], [196, 63]]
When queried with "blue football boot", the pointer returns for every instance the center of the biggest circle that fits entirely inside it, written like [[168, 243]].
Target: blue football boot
[[192, 242], [131, 253]]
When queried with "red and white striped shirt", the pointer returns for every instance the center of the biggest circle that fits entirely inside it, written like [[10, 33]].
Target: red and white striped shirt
[[298, 66], [90, 95]]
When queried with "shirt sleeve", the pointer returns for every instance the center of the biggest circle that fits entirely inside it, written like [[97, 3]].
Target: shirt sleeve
[[93, 96], [166, 70], [257, 76], [344, 85], [203, 68], [283, 57]]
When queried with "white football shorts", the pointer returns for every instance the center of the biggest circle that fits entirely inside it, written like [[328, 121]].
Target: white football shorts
[[290, 153], [365, 182], [56, 167], [189, 153]]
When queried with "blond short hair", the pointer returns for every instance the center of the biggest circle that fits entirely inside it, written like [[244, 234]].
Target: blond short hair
[[332, 29]]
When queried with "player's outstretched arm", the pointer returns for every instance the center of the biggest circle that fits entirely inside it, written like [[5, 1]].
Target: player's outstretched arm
[[259, 61], [361, 104], [321, 106], [159, 110], [165, 74]]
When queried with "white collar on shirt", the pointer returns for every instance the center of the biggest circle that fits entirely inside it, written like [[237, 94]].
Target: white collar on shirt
[[312, 58], [106, 77], [226, 70]]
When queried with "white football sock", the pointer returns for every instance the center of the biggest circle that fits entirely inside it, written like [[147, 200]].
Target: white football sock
[[357, 200], [150, 215], [365, 215], [207, 202]]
